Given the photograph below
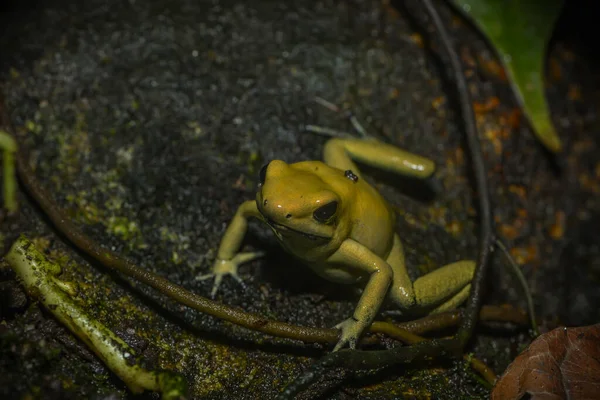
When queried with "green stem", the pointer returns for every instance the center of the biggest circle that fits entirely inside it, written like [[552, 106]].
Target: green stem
[[37, 274], [9, 147]]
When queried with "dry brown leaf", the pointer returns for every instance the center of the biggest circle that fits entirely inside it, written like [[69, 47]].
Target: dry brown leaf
[[561, 364]]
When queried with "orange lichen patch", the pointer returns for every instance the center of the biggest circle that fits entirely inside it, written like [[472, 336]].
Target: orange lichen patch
[[582, 146], [467, 59], [457, 22], [417, 39], [557, 230], [489, 105], [495, 137], [525, 255], [510, 232], [493, 67], [438, 214], [574, 92], [555, 69], [393, 94], [513, 119], [522, 213], [518, 190], [455, 228], [391, 10], [589, 183], [514, 230], [454, 158], [438, 102]]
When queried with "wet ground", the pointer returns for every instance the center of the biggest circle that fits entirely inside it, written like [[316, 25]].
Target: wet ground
[[148, 122]]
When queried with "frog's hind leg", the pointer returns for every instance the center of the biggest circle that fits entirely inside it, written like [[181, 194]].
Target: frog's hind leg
[[340, 153], [446, 287], [401, 291], [440, 290]]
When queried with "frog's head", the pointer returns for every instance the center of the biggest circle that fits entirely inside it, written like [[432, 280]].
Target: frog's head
[[297, 204]]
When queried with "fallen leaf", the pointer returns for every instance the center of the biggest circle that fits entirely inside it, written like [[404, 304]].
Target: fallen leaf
[[561, 364], [519, 31]]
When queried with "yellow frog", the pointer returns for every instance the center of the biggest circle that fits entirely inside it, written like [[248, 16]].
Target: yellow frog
[[341, 227]]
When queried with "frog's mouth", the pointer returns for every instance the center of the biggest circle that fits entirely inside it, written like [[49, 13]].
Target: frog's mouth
[[282, 229]]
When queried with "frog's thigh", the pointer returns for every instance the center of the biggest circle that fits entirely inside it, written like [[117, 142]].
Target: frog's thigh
[[401, 292], [339, 153], [446, 287]]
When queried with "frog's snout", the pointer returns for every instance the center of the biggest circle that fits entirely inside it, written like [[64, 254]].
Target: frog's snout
[[272, 210]]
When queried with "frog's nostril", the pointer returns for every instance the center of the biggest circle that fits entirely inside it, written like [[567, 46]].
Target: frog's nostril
[[288, 216]]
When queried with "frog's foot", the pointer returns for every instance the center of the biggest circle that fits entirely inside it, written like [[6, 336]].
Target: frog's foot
[[351, 331], [228, 267]]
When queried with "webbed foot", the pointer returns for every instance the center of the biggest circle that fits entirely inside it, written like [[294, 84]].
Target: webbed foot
[[222, 268], [351, 331]]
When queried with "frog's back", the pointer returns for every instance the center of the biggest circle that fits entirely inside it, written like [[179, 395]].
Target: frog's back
[[370, 219]]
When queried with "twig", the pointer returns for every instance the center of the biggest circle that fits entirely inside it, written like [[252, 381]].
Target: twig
[[411, 338], [485, 209], [324, 131], [517, 271], [335, 133]]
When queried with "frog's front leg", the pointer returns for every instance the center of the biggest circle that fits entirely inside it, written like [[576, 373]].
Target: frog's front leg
[[353, 255], [228, 259], [339, 153], [440, 290]]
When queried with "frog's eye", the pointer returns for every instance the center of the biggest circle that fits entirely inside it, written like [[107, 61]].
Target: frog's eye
[[325, 213], [262, 175]]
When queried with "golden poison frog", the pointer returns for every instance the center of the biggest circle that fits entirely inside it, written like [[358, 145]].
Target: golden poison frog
[[328, 216]]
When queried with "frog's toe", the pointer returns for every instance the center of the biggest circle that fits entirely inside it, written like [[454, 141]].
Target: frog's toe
[[205, 277], [223, 267], [339, 345], [239, 280], [351, 342], [216, 284], [218, 279], [351, 330], [243, 258]]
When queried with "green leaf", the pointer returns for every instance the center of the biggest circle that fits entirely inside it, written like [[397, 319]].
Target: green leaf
[[519, 30]]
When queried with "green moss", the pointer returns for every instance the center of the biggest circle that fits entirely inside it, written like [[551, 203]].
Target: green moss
[[127, 230]]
